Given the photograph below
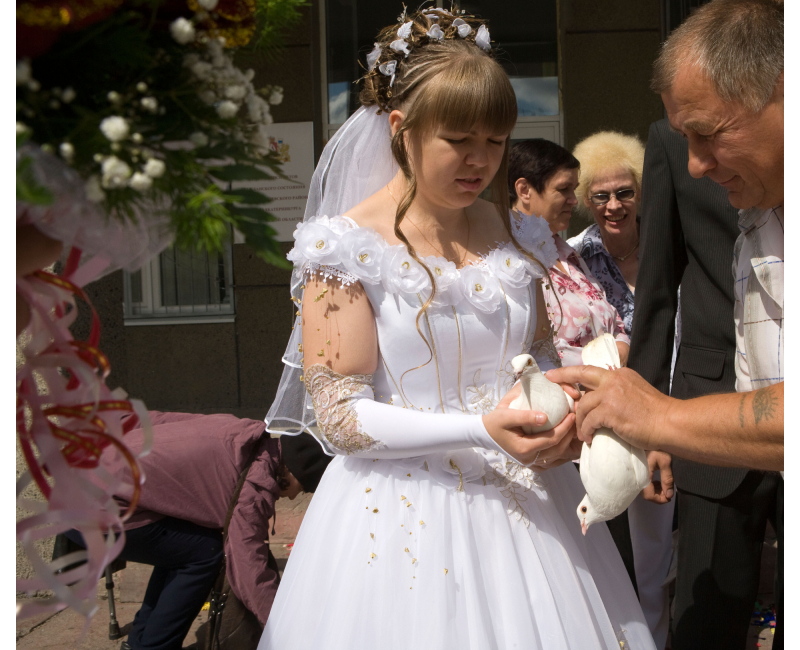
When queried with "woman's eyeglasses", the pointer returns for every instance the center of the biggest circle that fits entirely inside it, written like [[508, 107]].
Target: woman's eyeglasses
[[621, 195]]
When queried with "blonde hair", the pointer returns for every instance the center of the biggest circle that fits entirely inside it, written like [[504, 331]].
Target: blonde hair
[[604, 152], [736, 44]]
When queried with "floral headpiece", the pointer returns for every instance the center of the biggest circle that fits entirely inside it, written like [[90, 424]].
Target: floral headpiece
[[384, 58]]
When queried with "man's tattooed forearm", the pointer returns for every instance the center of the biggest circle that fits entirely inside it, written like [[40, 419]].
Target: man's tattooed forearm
[[741, 411], [765, 405]]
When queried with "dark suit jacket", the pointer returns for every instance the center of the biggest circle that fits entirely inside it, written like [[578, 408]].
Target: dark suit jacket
[[688, 230]]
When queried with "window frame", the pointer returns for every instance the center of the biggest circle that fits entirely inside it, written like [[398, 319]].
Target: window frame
[[151, 311]]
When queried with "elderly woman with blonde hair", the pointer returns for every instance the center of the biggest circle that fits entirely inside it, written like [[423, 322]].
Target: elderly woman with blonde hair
[[610, 192]]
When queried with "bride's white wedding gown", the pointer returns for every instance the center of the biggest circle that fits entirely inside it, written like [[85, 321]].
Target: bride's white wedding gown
[[421, 553]]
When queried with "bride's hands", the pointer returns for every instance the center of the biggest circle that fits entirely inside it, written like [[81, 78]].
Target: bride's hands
[[505, 426], [548, 448]]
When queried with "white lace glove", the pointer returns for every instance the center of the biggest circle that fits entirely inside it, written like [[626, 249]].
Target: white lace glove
[[352, 422]]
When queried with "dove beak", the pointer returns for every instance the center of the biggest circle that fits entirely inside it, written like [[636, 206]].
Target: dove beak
[[517, 375], [584, 527]]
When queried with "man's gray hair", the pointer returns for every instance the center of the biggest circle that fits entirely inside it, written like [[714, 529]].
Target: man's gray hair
[[737, 44]]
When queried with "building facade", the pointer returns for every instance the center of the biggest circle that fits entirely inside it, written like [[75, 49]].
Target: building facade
[[206, 333]]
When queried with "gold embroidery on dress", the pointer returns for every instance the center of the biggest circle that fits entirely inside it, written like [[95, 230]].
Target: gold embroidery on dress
[[513, 481], [482, 397], [334, 405], [547, 348]]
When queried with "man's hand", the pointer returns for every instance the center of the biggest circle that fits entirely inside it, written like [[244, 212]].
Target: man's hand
[[660, 491], [618, 399]]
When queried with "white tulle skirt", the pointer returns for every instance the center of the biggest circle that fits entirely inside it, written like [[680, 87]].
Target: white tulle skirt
[[391, 557]]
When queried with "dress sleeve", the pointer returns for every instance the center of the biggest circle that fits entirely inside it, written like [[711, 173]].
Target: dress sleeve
[[351, 422]]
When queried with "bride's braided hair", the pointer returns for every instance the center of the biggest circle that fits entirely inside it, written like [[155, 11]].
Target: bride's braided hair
[[471, 90]]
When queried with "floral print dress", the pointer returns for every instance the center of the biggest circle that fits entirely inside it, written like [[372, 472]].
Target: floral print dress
[[577, 306]]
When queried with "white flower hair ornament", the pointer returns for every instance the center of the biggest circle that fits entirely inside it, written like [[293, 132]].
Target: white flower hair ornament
[[482, 39], [463, 28], [388, 69], [435, 33], [405, 30], [373, 56], [400, 46]]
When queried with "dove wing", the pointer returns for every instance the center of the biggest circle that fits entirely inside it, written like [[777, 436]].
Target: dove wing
[[601, 352]]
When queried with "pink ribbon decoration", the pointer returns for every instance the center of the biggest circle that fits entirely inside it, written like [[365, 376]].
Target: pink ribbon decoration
[[66, 418]]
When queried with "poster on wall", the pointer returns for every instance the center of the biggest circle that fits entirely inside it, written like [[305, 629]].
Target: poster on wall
[[294, 144]]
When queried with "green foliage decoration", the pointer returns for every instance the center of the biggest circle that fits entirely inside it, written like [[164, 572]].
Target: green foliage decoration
[[149, 108]]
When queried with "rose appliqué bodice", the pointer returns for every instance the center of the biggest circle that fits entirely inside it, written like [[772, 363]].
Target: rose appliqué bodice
[[482, 316]]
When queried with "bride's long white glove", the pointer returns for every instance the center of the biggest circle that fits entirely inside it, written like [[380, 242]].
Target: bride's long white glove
[[352, 422]]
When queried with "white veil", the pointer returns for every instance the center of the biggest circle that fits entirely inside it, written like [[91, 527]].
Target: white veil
[[356, 163]]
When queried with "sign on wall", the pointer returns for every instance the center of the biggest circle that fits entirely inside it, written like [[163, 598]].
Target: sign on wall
[[294, 144]]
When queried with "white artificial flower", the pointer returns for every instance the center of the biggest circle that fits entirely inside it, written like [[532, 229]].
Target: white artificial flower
[[482, 39], [202, 70], [137, 138], [276, 96], [388, 69], [198, 139], [208, 96], [34, 85], [155, 168], [509, 267], [227, 109], [141, 87], [182, 30], [115, 146], [373, 56], [115, 172], [149, 104], [98, 157], [249, 74], [141, 182], [313, 241], [405, 30], [208, 5], [67, 151], [454, 468], [481, 288], [68, 95], [22, 128], [448, 284], [235, 92], [463, 28], [435, 33], [93, 190], [23, 72], [360, 251], [115, 128], [400, 273], [400, 46], [114, 97]]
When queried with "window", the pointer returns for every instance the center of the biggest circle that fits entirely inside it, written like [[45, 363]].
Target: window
[[524, 31], [180, 287]]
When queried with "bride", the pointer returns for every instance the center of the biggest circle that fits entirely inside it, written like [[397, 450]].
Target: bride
[[430, 529]]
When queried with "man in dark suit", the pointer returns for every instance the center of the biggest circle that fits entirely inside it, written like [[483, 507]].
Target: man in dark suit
[[688, 230]]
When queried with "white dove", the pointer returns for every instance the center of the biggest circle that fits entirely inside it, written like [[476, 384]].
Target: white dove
[[539, 394], [612, 471]]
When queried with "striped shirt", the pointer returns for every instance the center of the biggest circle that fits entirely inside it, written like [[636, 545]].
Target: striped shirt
[[758, 292]]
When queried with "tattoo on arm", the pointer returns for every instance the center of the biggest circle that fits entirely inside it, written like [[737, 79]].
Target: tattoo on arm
[[741, 412], [764, 405]]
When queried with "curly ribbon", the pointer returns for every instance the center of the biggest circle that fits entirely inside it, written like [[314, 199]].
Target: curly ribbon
[[65, 422]]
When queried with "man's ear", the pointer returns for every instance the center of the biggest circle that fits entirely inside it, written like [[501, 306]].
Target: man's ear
[[396, 120]]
